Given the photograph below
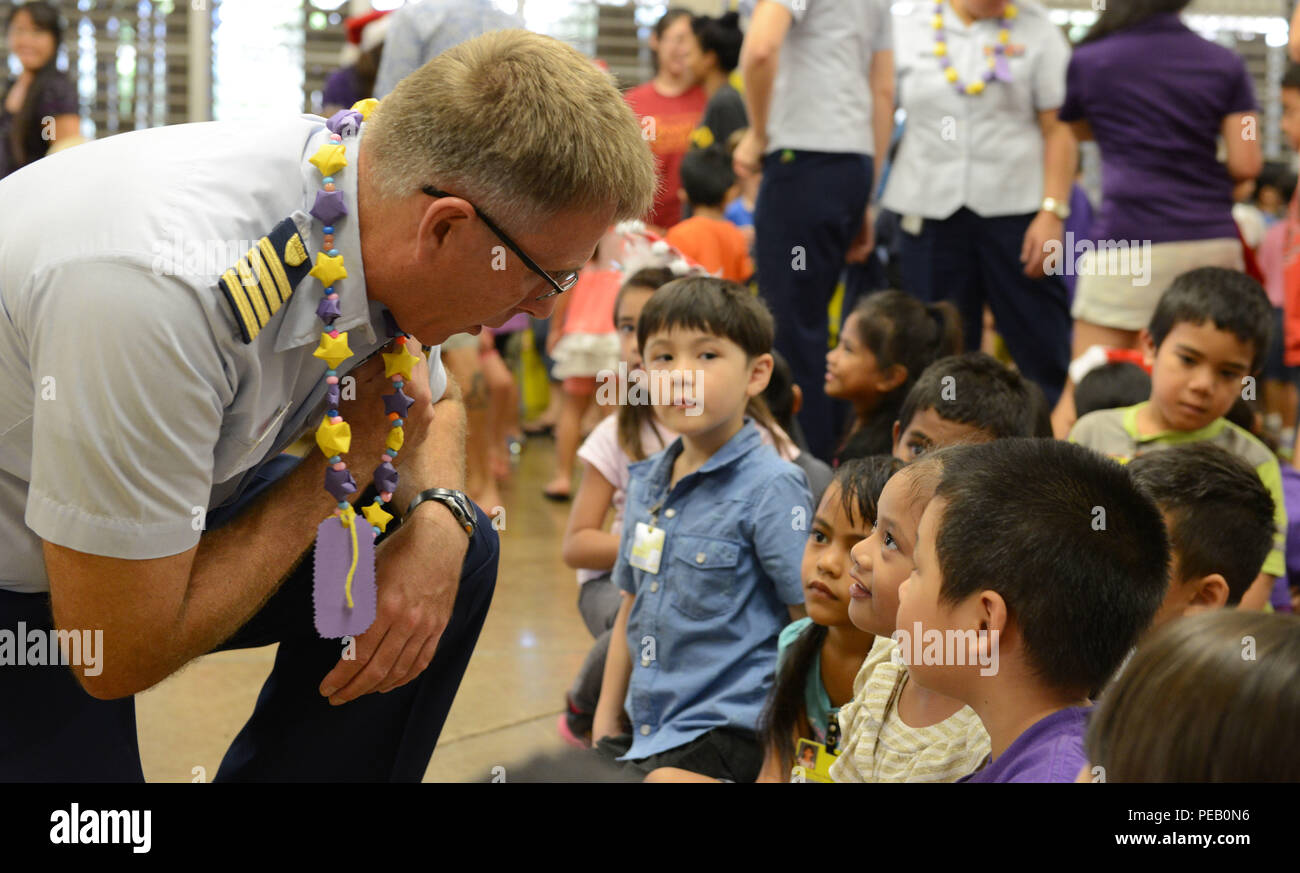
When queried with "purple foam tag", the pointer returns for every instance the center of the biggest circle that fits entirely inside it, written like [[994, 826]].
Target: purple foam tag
[[333, 557]]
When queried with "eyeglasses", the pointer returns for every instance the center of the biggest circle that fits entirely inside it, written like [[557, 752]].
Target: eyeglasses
[[559, 283]]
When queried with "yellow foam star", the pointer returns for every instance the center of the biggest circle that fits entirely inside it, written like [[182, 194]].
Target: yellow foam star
[[937, 22], [1011, 11], [328, 268], [1004, 36], [333, 350], [951, 73], [940, 49], [395, 438], [333, 439], [976, 87], [329, 158], [399, 362], [365, 107], [376, 516]]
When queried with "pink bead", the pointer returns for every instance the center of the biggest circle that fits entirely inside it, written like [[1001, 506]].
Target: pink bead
[[387, 459], [332, 296], [386, 496], [331, 380], [340, 466], [338, 419], [397, 377], [334, 334]]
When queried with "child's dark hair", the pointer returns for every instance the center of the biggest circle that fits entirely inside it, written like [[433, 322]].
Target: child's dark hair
[[1229, 299], [1189, 708], [722, 36], [1076, 551], [860, 482], [1276, 175], [1291, 78], [779, 393], [899, 330], [978, 390], [632, 417], [1220, 513], [1111, 386], [718, 307], [707, 176]]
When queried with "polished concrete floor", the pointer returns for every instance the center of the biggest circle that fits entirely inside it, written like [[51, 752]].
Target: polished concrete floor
[[531, 647]]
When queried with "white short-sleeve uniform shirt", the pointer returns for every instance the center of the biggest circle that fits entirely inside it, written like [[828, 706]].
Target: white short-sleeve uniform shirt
[[130, 400], [985, 151]]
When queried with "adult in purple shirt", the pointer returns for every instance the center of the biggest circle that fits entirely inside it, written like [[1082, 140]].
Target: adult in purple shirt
[[1156, 97], [38, 110], [1051, 750]]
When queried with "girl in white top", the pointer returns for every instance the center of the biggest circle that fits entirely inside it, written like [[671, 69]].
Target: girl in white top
[[894, 730]]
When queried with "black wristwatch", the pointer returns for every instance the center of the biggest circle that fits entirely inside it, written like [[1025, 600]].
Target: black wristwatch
[[455, 501]]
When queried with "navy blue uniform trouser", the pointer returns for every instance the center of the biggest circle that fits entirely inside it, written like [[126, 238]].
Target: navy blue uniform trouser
[[807, 213], [53, 731], [971, 260]]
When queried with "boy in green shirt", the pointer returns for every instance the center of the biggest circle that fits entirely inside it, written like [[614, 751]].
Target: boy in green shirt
[[1206, 345]]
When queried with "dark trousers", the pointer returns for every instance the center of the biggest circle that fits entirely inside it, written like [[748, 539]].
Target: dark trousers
[[53, 731], [809, 209], [972, 261], [731, 754]]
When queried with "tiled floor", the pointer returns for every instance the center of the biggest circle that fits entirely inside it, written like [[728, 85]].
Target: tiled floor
[[531, 646]]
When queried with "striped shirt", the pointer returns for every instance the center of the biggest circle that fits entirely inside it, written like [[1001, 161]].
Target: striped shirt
[[879, 747], [1114, 433]]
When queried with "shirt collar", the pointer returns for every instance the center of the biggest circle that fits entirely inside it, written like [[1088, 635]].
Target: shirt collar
[[300, 326], [1210, 431], [660, 466]]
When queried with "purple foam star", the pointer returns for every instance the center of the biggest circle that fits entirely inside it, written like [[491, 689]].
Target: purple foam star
[[385, 478], [332, 396], [327, 310], [344, 122], [329, 206], [397, 402], [339, 483]]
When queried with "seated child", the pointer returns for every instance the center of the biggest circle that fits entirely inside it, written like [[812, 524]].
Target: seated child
[[1206, 343], [966, 398], [896, 730], [708, 562], [818, 656], [784, 398], [1220, 521], [1191, 707], [1043, 559], [887, 342], [707, 237], [1114, 384]]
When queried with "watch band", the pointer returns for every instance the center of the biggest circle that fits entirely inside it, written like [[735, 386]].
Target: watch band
[[1059, 208], [455, 501]]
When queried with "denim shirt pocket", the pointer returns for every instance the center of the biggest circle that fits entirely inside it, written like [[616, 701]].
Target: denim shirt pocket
[[704, 575]]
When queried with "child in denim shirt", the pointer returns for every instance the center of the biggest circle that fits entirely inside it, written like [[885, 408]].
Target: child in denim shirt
[[709, 562]]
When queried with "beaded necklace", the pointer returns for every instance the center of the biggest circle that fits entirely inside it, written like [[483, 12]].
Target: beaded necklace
[[344, 590], [998, 68]]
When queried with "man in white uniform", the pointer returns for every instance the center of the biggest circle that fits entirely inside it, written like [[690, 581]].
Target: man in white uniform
[[149, 390]]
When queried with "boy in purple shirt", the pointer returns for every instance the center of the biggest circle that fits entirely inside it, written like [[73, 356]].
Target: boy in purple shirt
[[1038, 565]]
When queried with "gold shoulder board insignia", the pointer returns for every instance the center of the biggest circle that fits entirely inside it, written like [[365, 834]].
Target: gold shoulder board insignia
[[263, 279]]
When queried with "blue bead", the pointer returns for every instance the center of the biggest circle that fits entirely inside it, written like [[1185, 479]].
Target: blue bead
[[397, 423], [333, 253], [331, 372], [398, 384], [376, 529], [379, 501], [327, 180], [325, 292], [334, 459], [329, 228], [343, 504], [333, 413]]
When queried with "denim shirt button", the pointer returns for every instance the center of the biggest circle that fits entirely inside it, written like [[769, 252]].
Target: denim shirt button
[[654, 586], [699, 558], [669, 513], [645, 730]]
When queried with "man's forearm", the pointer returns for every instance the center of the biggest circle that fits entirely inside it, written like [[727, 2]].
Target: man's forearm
[[759, 77]]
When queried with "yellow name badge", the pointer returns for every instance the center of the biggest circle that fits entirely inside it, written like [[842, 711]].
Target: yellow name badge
[[812, 763], [647, 548]]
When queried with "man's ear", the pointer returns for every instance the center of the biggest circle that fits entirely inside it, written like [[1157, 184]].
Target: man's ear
[[1208, 593], [440, 218], [681, 195], [798, 399], [1147, 343]]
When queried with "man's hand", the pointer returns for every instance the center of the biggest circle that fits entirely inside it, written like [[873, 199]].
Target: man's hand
[[418, 574], [864, 242], [1045, 228], [748, 156], [365, 414]]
